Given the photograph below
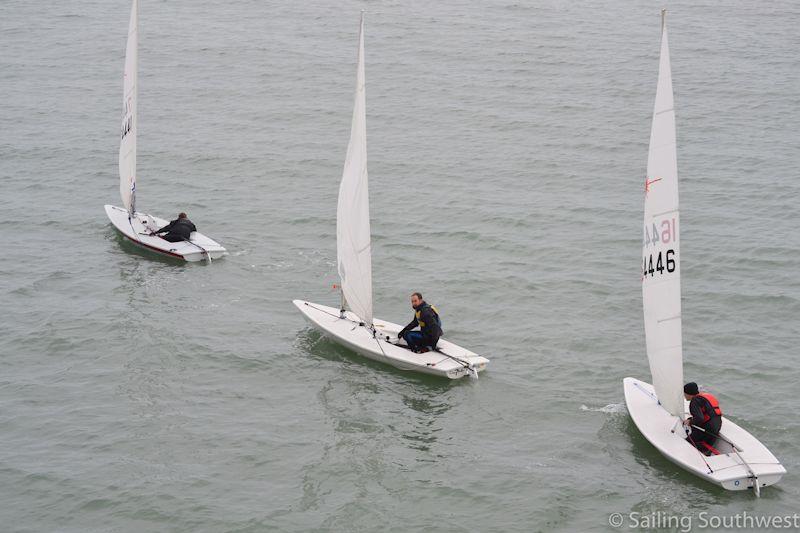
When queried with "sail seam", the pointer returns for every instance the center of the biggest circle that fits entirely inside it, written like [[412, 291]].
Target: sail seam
[[663, 213]]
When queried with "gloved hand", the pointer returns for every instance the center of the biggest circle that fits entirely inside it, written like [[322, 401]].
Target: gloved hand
[[401, 335]]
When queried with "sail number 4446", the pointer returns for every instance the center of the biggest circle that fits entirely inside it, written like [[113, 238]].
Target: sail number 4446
[[663, 261], [656, 235]]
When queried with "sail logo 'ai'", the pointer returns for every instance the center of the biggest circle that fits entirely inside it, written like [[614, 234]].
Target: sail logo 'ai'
[[665, 234]]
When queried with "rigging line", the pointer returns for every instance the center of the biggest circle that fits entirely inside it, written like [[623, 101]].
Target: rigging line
[[375, 336], [648, 393], [658, 402], [466, 364], [333, 315], [208, 255], [132, 228], [702, 455], [443, 359]]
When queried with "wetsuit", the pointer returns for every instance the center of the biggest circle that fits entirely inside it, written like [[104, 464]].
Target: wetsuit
[[704, 415], [178, 230], [430, 328]]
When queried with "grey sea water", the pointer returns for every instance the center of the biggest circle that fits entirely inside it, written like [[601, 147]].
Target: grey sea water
[[507, 145]]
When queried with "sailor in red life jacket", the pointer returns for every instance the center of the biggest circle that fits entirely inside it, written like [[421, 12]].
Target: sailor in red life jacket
[[706, 414]]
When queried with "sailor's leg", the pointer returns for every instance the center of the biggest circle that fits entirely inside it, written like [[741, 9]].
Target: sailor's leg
[[170, 237], [694, 438], [699, 438], [713, 431], [414, 340]]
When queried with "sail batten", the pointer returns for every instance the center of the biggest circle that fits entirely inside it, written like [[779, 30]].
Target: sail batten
[[353, 235], [127, 144], [661, 288]]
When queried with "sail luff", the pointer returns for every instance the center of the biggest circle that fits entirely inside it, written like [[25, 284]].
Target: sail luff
[[661, 289], [353, 236], [127, 145]]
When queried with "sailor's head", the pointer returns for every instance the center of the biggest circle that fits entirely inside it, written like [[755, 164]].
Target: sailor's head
[[416, 299], [181, 215], [690, 390]]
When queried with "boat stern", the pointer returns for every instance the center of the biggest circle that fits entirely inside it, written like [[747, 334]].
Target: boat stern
[[477, 364], [741, 479]]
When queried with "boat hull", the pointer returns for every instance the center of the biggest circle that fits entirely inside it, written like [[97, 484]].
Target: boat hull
[[137, 228], [727, 469], [385, 347]]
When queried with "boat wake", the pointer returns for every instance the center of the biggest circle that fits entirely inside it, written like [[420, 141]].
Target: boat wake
[[612, 408]]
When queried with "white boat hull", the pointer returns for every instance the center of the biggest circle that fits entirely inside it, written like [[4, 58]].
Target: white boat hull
[[726, 469], [137, 230], [386, 347]]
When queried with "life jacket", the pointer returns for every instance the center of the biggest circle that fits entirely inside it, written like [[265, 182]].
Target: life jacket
[[418, 315], [714, 406]]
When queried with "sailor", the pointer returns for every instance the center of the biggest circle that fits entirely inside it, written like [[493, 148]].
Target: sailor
[[430, 326], [705, 419], [178, 230]]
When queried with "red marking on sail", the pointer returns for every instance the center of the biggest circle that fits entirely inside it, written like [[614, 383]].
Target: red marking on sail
[[648, 183]]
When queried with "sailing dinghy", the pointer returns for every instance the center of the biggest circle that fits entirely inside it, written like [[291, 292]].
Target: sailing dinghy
[[658, 410], [133, 225], [356, 328]]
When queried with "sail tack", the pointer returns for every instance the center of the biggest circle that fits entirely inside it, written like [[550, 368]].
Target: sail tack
[[661, 283], [127, 144], [353, 235]]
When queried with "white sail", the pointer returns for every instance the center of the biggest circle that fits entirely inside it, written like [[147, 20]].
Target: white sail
[[352, 220], [127, 144], [661, 280]]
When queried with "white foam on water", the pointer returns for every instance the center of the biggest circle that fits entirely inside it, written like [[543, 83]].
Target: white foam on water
[[611, 408]]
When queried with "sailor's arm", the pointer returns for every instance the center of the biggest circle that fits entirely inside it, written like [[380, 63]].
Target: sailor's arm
[[164, 229], [695, 412], [411, 325]]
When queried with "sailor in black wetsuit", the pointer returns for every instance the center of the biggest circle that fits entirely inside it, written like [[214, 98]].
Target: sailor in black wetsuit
[[430, 326], [178, 230], [706, 414]]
